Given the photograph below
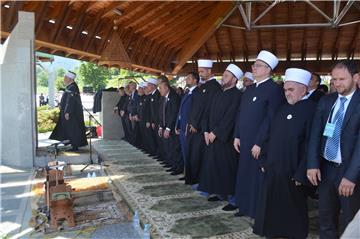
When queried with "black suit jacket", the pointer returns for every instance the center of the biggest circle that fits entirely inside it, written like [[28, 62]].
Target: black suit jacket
[[316, 95], [349, 141], [154, 104], [171, 110]]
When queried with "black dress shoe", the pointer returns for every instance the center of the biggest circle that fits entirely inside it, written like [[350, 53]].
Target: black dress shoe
[[170, 170], [176, 173], [238, 214], [229, 207], [214, 199], [167, 166], [182, 178]]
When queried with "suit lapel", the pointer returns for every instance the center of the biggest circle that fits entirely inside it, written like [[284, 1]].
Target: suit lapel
[[352, 106]]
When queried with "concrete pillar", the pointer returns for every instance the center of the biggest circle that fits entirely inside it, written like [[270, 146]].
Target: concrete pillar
[[112, 126], [17, 92]]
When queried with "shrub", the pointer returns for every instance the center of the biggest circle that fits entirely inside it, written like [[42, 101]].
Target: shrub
[[47, 118]]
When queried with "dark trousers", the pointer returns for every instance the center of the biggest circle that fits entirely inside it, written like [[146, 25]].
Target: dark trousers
[[332, 207]]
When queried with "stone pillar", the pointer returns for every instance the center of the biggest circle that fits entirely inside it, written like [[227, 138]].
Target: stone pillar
[[17, 92], [112, 126]]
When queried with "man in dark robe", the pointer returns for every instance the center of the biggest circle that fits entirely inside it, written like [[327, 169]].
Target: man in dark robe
[[124, 114], [153, 120], [139, 135], [258, 106], [119, 106], [282, 208], [70, 125], [200, 109], [219, 166], [169, 108]]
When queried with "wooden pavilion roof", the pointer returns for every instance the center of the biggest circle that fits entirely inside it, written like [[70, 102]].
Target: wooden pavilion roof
[[169, 36]]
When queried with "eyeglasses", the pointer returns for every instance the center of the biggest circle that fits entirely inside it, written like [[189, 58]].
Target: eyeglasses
[[258, 65]]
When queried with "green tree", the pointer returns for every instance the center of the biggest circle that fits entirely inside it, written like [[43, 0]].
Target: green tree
[[41, 77], [59, 82], [61, 72], [92, 75]]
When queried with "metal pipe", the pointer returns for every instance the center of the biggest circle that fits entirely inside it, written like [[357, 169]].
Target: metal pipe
[[243, 15], [336, 9], [293, 25], [343, 12], [233, 26], [349, 23], [319, 10], [226, 17], [248, 9], [264, 12]]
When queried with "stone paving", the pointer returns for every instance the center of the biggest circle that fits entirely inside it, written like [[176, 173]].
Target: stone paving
[[172, 209]]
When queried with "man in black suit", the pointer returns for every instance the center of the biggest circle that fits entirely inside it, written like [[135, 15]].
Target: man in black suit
[[334, 151], [169, 108], [315, 93]]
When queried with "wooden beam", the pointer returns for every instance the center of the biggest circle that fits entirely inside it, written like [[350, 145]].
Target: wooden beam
[[304, 43], [160, 54], [148, 8], [138, 45], [175, 23], [161, 16], [207, 27], [352, 45], [105, 39], [40, 17], [79, 26], [92, 32], [335, 46], [288, 40], [145, 51], [232, 54], [10, 19], [183, 26], [106, 11], [61, 22]]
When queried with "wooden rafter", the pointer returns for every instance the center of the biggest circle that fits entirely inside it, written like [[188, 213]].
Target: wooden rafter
[[160, 32], [94, 30], [352, 45], [79, 26], [147, 45], [161, 16], [304, 44], [40, 17], [145, 13], [288, 34], [207, 27], [139, 43], [157, 60], [10, 20], [232, 54], [105, 40], [335, 47], [61, 22]]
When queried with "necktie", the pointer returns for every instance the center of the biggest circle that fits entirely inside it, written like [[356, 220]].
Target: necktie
[[332, 143]]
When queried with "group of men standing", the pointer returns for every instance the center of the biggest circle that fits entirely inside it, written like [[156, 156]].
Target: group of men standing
[[263, 149]]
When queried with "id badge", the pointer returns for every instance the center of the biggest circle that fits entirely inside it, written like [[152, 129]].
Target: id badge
[[329, 130]]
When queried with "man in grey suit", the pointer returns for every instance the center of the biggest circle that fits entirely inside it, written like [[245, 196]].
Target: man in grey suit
[[334, 151]]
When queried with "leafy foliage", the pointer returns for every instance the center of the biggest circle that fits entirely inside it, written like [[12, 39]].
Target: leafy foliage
[[47, 118]]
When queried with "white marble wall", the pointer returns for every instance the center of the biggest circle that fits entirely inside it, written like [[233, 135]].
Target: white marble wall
[[112, 126], [17, 93]]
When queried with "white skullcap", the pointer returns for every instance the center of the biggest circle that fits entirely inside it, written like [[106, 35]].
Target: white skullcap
[[268, 58], [143, 84], [205, 63], [152, 81], [70, 75], [249, 76], [298, 75], [235, 70]]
